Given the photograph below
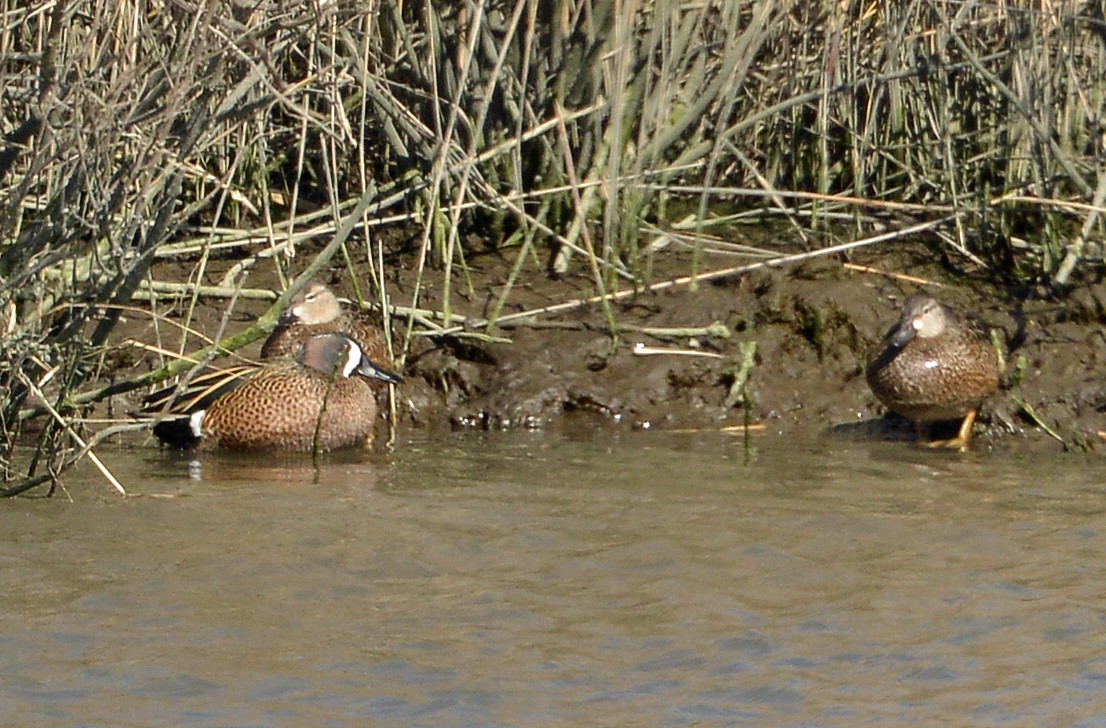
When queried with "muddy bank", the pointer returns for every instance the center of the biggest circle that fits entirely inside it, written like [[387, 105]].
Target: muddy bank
[[811, 324]]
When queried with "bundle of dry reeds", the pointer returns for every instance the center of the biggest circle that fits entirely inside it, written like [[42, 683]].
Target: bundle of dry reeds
[[138, 130]]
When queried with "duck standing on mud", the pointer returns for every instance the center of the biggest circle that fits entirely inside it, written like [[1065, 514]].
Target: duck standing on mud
[[933, 366]]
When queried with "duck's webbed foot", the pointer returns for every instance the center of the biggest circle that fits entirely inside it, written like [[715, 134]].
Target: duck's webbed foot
[[960, 442]]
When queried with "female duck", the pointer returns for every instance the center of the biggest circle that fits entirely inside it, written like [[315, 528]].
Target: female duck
[[316, 310], [934, 366]]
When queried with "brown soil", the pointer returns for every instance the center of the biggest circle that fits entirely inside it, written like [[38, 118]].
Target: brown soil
[[811, 323]]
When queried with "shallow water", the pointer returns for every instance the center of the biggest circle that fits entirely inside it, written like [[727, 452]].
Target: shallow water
[[532, 579]]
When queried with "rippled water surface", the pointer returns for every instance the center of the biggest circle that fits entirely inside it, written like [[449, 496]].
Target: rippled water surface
[[530, 579]]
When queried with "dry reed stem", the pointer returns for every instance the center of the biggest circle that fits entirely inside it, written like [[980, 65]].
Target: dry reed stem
[[894, 276], [570, 126], [86, 449], [779, 261]]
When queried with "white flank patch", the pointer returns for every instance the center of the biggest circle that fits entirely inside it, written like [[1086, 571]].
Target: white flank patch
[[932, 364], [196, 423]]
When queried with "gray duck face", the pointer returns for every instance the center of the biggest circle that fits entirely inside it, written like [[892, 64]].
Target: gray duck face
[[331, 353], [922, 316]]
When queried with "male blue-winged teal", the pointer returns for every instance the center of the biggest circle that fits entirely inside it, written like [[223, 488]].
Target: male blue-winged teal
[[932, 366], [318, 400], [316, 310]]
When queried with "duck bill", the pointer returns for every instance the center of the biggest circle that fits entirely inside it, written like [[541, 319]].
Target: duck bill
[[903, 334], [371, 371]]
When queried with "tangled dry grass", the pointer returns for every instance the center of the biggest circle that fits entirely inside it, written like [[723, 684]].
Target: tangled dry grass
[[562, 133]]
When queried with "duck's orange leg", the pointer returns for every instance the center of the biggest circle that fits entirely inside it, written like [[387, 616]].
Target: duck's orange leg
[[960, 442]]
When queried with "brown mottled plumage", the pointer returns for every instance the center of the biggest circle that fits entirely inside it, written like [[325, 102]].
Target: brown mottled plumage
[[316, 310], [934, 366], [312, 402]]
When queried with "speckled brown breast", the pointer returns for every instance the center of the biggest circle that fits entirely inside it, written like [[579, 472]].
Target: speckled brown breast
[[281, 407], [941, 378], [287, 340]]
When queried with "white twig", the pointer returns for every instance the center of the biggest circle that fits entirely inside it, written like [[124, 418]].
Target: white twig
[[643, 350]]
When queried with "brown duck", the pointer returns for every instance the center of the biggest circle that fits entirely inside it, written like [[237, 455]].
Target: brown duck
[[933, 366], [316, 310], [317, 401]]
